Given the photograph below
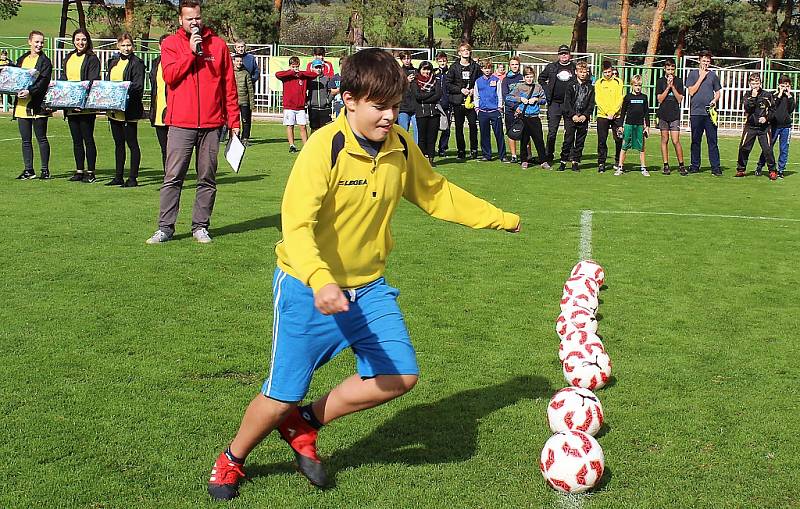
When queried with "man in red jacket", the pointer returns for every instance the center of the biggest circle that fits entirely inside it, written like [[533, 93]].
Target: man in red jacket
[[201, 98]]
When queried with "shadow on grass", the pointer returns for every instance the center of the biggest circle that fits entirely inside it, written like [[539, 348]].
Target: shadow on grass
[[445, 431], [273, 221]]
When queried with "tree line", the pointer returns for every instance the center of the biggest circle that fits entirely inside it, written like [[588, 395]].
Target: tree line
[[767, 28]]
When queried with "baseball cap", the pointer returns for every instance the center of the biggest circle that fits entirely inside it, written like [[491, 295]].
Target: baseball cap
[[317, 63], [563, 49]]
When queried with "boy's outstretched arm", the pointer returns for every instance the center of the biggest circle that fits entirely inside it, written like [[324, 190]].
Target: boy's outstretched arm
[[441, 199]]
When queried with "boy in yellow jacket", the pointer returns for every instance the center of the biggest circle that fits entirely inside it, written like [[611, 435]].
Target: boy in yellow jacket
[[608, 94], [329, 289]]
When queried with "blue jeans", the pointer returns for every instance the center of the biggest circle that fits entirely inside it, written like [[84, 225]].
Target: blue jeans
[[702, 124], [782, 133], [408, 122], [495, 120]]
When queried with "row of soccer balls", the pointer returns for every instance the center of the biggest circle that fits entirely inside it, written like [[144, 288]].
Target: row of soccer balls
[[572, 460]]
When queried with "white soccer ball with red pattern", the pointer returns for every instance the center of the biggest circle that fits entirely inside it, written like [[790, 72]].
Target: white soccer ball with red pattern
[[580, 340], [576, 286], [575, 408], [572, 461], [590, 268], [577, 318], [583, 299], [590, 370]]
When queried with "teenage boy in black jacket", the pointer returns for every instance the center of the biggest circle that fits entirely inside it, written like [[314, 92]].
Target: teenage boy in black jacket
[[441, 76], [759, 107], [461, 86], [781, 124], [578, 107], [554, 79]]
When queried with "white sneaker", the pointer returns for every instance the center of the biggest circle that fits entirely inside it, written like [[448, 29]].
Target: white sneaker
[[201, 235], [158, 237], [645, 172], [545, 166], [618, 171]]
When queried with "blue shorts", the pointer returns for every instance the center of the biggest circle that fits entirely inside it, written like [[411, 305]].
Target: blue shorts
[[303, 339]]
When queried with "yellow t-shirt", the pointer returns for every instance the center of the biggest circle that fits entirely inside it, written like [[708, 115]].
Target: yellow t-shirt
[[117, 74], [74, 65], [161, 96], [22, 104]]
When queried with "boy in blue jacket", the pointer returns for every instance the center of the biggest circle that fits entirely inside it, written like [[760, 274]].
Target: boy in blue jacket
[[488, 103], [527, 99], [512, 78]]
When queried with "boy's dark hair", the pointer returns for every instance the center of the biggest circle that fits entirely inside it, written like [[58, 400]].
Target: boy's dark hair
[[373, 75], [607, 65], [669, 62], [125, 36], [529, 69], [784, 79], [426, 65], [403, 54], [706, 53], [237, 55], [319, 50], [163, 36], [83, 31], [294, 60], [582, 64], [189, 4], [754, 76], [441, 54]]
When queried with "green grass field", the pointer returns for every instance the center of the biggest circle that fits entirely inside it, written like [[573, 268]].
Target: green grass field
[[127, 367]]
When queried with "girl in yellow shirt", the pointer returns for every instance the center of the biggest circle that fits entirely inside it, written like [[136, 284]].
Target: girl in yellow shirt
[[28, 110], [124, 124]]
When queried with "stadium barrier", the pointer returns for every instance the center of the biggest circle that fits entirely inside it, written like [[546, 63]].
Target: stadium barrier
[[733, 72]]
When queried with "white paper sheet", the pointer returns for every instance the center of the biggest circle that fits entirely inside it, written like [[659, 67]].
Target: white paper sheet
[[234, 152]]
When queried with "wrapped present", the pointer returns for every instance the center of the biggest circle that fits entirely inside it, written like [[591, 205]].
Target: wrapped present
[[15, 79], [108, 95], [67, 94]]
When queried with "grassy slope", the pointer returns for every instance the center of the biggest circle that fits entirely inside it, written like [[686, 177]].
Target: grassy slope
[[127, 366]]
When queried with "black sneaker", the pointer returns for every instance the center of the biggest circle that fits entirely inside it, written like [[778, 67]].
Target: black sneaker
[[601, 168], [780, 174], [26, 175], [682, 170], [562, 166], [576, 167], [78, 177], [44, 175], [131, 183], [442, 152], [292, 148], [692, 169], [461, 156], [666, 170], [116, 181], [514, 160], [473, 154], [716, 173], [757, 173], [89, 177]]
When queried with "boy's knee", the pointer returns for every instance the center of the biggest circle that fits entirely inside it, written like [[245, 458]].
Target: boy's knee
[[399, 384]]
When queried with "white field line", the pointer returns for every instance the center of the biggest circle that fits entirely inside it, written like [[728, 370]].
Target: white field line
[[689, 214], [571, 500], [49, 136], [585, 248]]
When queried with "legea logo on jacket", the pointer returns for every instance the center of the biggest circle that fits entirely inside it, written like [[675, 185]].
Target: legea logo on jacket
[[356, 182]]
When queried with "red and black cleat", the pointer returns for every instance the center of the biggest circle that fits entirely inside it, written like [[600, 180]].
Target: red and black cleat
[[302, 438], [225, 478]]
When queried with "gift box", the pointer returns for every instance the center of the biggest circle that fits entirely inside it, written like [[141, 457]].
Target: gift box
[[67, 94], [108, 95], [15, 79]]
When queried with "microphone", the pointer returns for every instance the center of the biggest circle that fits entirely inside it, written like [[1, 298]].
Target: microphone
[[198, 49]]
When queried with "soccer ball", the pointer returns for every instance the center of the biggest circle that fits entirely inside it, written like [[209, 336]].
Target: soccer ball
[[588, 369], [583, 300], [580, 284], [590, 268], [578, 318], [575, 408], [572, 461], [579, 340]]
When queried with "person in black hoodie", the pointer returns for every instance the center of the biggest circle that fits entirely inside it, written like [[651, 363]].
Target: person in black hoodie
[[759, 107], [460, 87], [781, 123], [28, 111], [578, 107], [82, 64], [408, 106], [441, 76], [124, 124], [427, 92], [158, 103], [554, 79]]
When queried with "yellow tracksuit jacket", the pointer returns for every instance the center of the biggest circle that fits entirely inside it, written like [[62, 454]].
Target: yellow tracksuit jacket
[[336, 215], [608, 95]]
